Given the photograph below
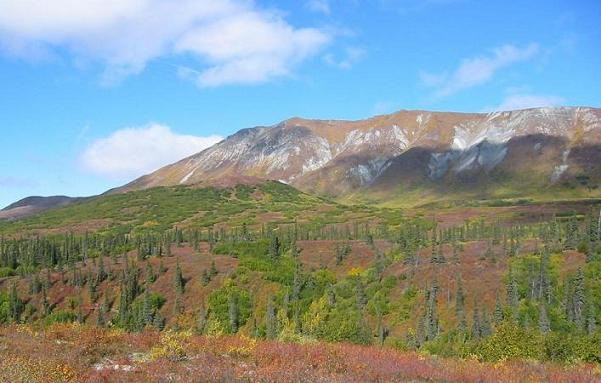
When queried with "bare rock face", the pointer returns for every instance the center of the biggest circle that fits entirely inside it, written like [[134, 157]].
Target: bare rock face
[[338, 157]]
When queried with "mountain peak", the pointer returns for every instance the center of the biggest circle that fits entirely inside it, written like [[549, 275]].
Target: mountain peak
[[342, 156]]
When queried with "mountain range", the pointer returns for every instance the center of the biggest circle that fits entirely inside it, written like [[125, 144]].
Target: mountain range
[[390, 156], [404, 158]]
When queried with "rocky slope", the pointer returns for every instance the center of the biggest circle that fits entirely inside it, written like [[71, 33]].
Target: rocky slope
[[434, 149], [32, 205]]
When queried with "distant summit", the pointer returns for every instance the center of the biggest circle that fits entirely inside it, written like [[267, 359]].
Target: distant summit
[[483, 152]]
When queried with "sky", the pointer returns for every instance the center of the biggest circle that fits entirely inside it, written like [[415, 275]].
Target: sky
[[94, 93]]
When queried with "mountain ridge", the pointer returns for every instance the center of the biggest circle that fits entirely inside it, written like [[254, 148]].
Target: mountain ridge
[[299, 151]]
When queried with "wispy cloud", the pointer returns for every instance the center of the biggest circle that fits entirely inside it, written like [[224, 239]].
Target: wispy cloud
[[525, 101], [349, 57], [477, 70], [16, 182], [133, 152], [233, 41], [321, 6]]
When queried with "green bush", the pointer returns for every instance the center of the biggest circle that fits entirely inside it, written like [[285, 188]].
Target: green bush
[[60, 316], [510, 341], [6, 272]]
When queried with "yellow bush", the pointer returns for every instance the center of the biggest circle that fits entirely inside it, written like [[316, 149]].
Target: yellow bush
[[172, 345]]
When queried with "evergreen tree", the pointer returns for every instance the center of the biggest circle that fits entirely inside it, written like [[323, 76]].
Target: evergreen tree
[[512, 293], [150, 277], [102, 311], [205, 278], [213, 270], [201, 322], [15, 305], [158, 322], [544, 326], [178, 279], [486, 328], [45, 303], [360, 296], [270, 320], [233, 313], [498, 314], [146, 307], [274, 248], [476, 324], [591, 322], [578, 299], [455, 256]]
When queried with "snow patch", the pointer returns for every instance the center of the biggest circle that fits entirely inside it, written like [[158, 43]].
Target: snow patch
[[560, 169], [187, 177]]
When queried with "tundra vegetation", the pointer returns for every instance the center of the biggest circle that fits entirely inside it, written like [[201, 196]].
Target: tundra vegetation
[[265, 283]]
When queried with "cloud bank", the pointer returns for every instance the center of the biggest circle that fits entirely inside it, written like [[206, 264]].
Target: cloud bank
[[477, 70], [231, 41], [133, 152]]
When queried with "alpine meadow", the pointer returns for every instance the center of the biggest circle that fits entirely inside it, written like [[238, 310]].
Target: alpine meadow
[[168, 220]]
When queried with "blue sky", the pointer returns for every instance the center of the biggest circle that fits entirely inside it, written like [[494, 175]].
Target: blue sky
[[95, 93]]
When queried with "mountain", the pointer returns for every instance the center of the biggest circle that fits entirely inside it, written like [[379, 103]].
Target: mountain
[[501, 154], [32, 205]]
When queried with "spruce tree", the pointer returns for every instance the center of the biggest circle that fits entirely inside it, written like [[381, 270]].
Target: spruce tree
[[591, 321], [146, 307], [15, 305], [270, 320], [178, 279], [361, 298], [213, 270], [158, 323], [544, 326], [201, 322], [476, 324], [274, 248], [498, 314], [233, 313], [578, 299]]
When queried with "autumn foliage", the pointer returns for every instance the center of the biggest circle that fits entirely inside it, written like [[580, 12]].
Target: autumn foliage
[[75, 353]]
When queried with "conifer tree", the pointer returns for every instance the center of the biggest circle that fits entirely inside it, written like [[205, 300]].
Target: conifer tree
[[158, 323], [205, 278], [498, 314], [544, 326], [146, 307], [578, 299], [15, 305], [201, 322], [476, 324], [233, 313], [591, 321], [213, 270], [179, 279], [150, 277], [360, 296], [274, 248], [270, 320]]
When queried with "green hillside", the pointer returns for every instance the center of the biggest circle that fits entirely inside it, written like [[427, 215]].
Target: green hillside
[[163, 208]]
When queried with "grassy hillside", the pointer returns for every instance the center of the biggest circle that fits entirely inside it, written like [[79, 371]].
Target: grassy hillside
[[163, 208], [268, 263]]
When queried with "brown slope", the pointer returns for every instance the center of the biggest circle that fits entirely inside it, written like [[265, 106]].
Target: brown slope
[[339, 157]]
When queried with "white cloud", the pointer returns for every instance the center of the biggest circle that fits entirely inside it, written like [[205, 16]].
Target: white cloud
[[321, 6], [525, 101], [273, 48], [350, 57], [477, 70], [133, 152], [233, 41]]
